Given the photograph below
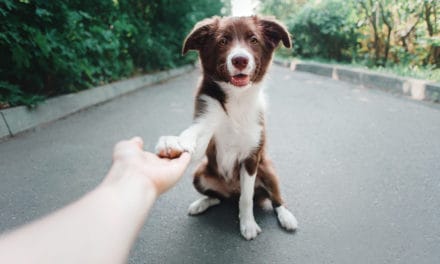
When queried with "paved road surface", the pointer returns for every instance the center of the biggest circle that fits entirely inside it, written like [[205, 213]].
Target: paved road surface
[[360, 170]]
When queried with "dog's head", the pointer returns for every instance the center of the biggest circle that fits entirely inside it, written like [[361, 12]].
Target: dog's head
[[236, 50]]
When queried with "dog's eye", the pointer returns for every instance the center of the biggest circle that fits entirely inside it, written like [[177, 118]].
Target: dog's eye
[[254, 40], [223, 41]]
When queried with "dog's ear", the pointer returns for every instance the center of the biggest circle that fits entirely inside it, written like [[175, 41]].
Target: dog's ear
[[274, 32], [199, 34]]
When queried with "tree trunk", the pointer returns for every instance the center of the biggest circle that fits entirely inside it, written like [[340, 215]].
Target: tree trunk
[[434, 52], [427, 18], [388, 40], [372, 18]]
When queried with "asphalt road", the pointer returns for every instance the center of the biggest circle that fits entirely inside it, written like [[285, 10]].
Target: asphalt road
[[360, 170]]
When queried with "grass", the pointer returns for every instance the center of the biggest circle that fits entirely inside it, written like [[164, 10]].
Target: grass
[[418, 72]]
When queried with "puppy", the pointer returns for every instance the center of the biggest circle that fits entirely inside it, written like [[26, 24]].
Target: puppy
[[229, 118]]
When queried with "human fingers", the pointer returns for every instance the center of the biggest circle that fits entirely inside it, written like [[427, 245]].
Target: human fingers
[[178, 166], [127, 149], [138, 141]]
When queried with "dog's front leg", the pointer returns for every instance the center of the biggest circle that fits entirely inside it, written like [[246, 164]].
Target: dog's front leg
[[194, 139], [248, 227], [187, 141]]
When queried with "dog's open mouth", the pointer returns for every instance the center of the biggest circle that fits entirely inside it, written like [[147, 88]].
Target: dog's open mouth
[[240, 80]]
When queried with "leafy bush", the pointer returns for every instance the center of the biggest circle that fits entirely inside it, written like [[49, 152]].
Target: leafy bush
[[375, 33], [54, 47], [326, 30]]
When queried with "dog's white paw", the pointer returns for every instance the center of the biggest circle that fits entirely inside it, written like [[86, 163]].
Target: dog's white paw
[[187, 143], [249, 228], [169, 147], [286, 218], [172, 146], [201, 205]]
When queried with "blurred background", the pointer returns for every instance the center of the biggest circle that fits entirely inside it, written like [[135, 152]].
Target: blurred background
[[48, 48]]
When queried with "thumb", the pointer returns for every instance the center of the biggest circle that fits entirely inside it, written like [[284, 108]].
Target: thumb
[[138, 141]]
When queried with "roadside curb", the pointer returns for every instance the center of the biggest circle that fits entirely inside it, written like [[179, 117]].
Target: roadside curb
[[413, 88], [19, 119]]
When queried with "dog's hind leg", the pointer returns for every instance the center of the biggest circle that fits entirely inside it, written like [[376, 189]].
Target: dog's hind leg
[[269, 181], [210, 186], [202, 204]]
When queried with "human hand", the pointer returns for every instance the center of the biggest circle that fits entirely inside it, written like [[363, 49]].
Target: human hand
[[133, 165], [102, 225]]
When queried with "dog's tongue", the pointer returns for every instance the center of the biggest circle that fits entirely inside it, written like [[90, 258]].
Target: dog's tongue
[[240, 80]]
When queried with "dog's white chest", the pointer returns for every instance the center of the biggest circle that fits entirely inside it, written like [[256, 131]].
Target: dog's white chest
[[238, 134]]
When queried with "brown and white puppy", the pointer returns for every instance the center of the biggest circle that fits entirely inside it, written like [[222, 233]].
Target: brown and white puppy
[[229, 119]]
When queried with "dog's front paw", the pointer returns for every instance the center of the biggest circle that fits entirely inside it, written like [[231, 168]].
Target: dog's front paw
[[169, 147], [187, 143], [249, 228], [286, 218]]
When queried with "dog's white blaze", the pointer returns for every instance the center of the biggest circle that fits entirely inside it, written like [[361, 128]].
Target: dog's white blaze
[[238, 50]]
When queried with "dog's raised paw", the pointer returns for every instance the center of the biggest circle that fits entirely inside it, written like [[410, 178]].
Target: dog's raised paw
[[286, 218], [249, 229], [169, 147]]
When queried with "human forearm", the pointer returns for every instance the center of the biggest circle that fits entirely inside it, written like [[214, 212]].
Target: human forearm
[[98, 228]]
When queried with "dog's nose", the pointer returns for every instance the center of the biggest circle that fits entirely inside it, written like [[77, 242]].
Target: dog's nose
[[240, 62]]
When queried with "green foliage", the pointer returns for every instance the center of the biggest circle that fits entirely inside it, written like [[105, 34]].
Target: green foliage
[[403, 36], [284, 10], [428, 72], [54, 47], [326, 29], [11, 95]]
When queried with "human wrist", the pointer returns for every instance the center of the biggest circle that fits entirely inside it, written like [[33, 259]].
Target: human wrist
[[129, 183]]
